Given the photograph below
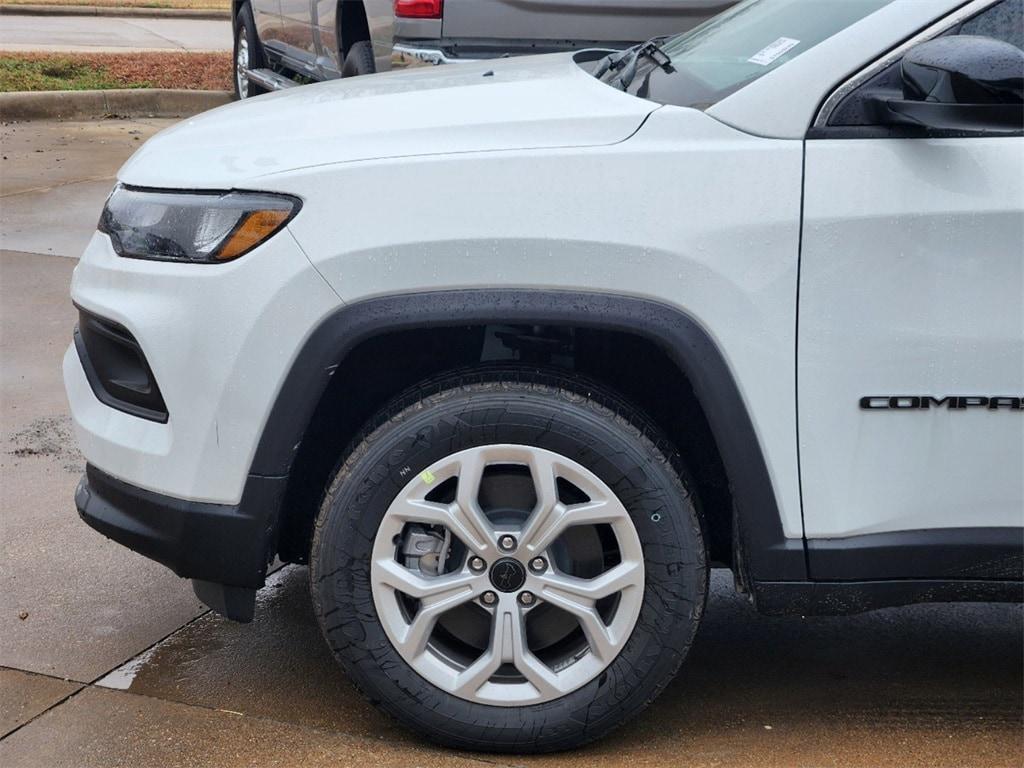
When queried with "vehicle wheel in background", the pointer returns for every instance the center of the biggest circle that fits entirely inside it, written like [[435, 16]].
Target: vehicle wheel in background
[[248, 53], [359, 60], [509, 561]]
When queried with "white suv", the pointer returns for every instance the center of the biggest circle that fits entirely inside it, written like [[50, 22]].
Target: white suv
[[510, 354]]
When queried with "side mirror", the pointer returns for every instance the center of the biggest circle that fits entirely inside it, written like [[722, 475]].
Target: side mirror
[[960, 83]]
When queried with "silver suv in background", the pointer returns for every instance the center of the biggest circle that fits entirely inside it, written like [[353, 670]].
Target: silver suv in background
[[443, 31], [283, 43]]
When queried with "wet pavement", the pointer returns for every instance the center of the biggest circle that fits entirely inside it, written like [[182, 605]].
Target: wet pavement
[[108, 659], [69, 602], [54, 177], [923, 685]]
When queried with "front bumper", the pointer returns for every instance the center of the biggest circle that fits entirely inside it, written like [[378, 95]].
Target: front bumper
[[177, 483], [217, 339], [224, 548]]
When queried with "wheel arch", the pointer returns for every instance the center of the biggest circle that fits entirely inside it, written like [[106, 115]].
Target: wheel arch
[[761, 550], [352, 25]]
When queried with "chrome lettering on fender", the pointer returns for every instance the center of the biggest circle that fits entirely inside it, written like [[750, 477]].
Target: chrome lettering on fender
[[950, 402]]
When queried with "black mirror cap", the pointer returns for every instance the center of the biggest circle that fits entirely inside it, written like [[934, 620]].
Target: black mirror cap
[[964, 69]]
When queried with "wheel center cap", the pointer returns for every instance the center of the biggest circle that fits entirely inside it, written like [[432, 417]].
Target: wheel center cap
[[508, 575]]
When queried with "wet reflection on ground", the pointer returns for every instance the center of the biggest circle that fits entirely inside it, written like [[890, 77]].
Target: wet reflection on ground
[[894, 687]]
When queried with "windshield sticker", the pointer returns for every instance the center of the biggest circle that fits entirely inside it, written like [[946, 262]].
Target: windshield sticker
[[771, 52]]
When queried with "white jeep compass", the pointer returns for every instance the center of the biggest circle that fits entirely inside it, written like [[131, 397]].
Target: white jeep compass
[[511, 353]]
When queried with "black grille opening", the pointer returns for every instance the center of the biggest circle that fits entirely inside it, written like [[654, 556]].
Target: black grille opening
[[117, 369]]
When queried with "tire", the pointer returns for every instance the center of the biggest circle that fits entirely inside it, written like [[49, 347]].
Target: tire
[[248, 52], [359, 60], [601, 445]]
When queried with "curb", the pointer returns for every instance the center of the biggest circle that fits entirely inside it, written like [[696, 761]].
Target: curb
[[16, 9], [89, 105]]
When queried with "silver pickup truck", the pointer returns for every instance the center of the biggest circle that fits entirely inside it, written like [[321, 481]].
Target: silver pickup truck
[[283, 43]]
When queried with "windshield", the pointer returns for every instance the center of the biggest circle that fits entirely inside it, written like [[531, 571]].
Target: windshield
[[751, 39]]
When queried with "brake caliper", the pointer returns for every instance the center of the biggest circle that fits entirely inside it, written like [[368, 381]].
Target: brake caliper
[[426, 548]]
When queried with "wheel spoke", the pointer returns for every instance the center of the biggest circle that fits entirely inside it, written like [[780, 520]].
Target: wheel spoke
[[467, 493], [432, 588], [498, 652], [544, 472], [545, 485], [608, 583], [533, 669], [422, 626], [599, 637], [437, 595], [538, 538], [242, 63], [579, 597]]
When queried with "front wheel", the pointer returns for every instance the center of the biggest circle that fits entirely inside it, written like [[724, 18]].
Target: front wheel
[[509, 564], [248, 53]]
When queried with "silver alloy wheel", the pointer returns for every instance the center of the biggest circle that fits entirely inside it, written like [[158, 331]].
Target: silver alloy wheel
[[489, 678], [242, 64]]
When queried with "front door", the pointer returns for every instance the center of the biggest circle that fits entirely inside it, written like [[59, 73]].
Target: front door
[[267, 16], [911, 349], [297, 42]]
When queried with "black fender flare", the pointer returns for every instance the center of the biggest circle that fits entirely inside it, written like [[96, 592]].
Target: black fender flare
[[764, 551]]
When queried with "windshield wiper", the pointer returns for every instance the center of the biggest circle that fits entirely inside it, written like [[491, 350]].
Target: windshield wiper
[[628, 60]]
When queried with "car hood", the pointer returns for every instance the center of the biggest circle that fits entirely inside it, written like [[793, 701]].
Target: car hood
[[528, 103]]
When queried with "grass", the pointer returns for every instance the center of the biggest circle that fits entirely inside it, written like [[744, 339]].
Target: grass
[[57, 74], [100, 71], [195, 4]]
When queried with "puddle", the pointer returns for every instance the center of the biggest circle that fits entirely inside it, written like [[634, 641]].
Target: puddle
[[121, 678], [277, 667]]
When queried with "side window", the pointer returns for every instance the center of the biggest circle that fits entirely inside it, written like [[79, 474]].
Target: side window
[[1003, 21]]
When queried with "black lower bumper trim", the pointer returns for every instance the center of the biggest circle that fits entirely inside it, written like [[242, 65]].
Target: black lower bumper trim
[[237, 603], [219, 544]]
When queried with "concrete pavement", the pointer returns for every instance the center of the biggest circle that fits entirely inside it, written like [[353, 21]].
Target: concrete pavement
[[125, 11], [112, 35], [927, 686], [24, 696], [72, 606], [54, 178], [108, 659]]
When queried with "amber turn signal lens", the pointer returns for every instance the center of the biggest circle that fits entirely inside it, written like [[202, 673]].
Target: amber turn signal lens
[[254, 229]]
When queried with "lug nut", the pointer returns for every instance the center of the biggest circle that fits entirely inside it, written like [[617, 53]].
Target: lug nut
[[507, 543], [489, 598], [477, 564], [526, 598], [538, 565]]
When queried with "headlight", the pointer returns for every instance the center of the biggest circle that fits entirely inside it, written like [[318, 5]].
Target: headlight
[[207, 227]]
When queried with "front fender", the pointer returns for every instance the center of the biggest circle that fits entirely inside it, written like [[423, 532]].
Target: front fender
[[765, 550]]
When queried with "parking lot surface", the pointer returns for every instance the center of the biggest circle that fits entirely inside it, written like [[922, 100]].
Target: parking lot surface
[[107, 659], [55, 176], [104, 34]]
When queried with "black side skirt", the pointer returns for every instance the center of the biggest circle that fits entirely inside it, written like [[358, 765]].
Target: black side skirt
[[835, 598], [880, 570], [936, 553]]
